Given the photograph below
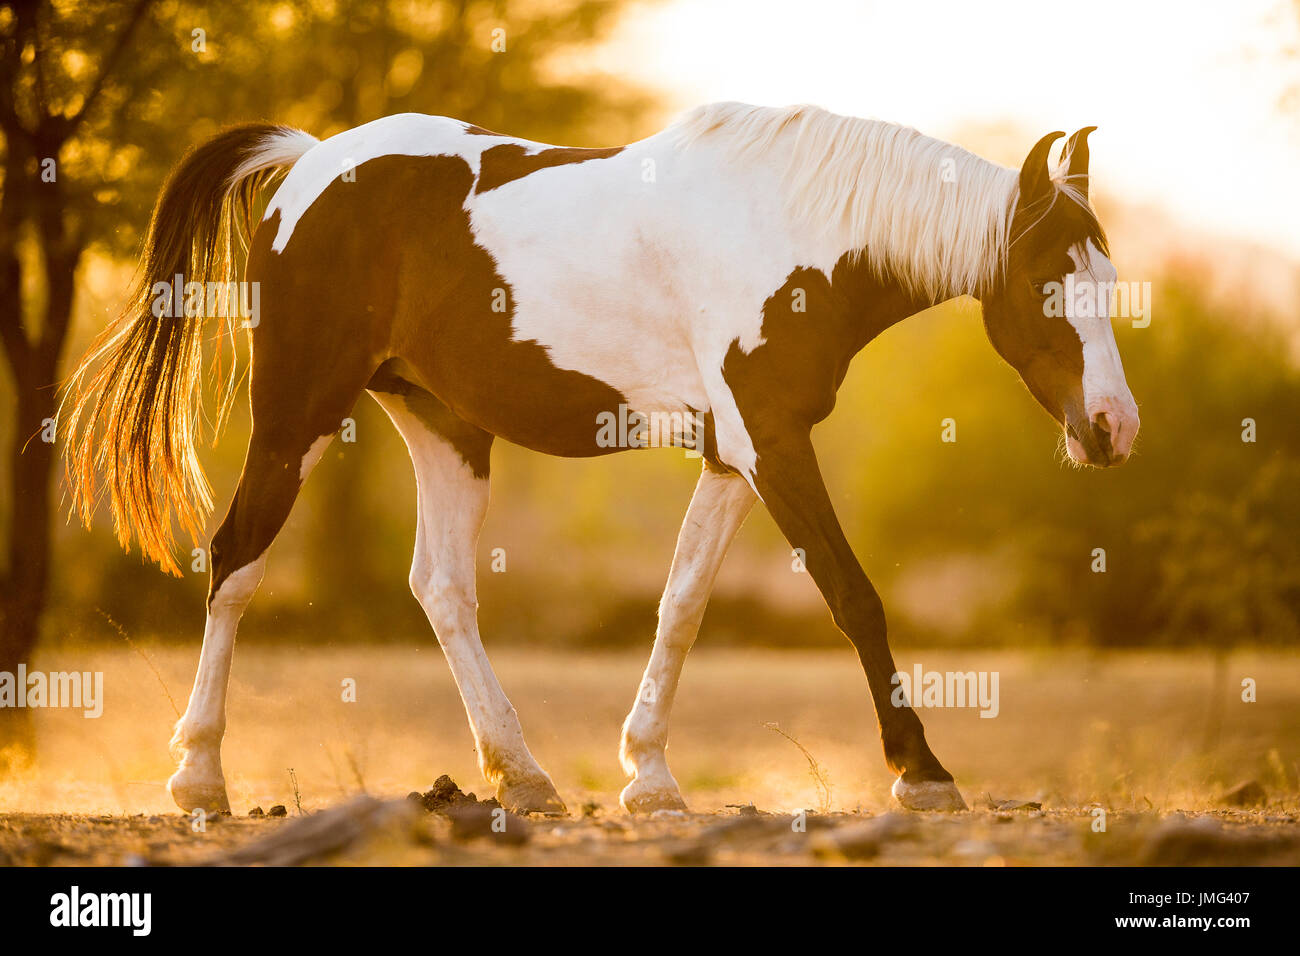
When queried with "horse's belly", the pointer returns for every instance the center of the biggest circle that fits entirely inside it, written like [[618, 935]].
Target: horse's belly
[[516, 390]]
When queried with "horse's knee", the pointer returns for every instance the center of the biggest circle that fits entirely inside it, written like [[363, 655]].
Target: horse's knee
[[233, 581], [861, 615], [442, 596]]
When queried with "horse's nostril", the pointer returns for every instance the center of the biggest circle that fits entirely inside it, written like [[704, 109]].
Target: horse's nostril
[[1103, 430]]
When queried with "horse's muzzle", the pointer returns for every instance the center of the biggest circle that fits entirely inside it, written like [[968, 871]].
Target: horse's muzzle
[[1105, 440]]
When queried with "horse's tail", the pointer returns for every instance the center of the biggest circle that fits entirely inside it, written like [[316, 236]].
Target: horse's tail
[[136, 398]]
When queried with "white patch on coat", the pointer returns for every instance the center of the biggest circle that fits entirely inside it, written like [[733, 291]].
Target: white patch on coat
[[196, 743], [206, 711], [313, 455], [404, 134], [1105, 389], [451, 507], [646, 284], [717, 509]]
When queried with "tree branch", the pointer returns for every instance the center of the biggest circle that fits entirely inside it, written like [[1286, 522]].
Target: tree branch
[[109, 64], [10, 66]]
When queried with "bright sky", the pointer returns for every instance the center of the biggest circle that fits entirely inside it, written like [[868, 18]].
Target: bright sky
[[1187, 95]]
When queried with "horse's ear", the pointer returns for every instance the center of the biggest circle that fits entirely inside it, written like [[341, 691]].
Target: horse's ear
[[1076, 153], [1035, 180]]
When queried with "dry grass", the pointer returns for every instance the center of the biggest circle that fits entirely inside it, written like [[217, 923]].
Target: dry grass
[[1129, 731], [1139, 734]]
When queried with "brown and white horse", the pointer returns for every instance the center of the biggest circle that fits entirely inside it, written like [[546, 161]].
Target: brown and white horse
[[478, 286]]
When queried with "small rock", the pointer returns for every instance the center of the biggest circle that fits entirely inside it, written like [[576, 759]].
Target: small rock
[[697, 853], [1181, 842], [1249, 793], [862, 841], [323, 835], [974, 849], [748, 828], [473, 821], [444, 796], [852, 843], [1002, 804], [893, 825], [256, 812], [278, 811]]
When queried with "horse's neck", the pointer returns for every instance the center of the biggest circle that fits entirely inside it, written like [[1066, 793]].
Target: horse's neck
[[872, 303], [868, 296]]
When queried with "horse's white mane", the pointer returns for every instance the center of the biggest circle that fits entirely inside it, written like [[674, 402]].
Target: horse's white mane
[[926, 212]]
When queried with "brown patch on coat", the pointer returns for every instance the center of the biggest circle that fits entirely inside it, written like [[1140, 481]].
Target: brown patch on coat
[[792, 378], [317, 343], [387, 267], [509, 161], [472, 443]]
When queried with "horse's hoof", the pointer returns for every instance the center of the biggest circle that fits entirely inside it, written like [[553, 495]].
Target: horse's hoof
[[531, 796], [932, 795], [642, 798], [190, 794]]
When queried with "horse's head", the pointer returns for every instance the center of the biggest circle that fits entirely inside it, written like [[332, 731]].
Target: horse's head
[[1048, 313]]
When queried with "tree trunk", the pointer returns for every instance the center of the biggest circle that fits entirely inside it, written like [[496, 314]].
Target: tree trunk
[[28, 550], [31, 466]]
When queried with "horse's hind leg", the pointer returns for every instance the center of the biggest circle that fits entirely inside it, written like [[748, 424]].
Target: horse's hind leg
[[451, 473], [295, 414], [273, 473]]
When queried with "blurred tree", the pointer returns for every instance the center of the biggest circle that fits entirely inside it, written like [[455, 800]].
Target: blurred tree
[[56, 73], [1229, 566]]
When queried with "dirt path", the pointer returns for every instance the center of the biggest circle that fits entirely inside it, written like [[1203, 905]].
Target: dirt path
[[402, 832]]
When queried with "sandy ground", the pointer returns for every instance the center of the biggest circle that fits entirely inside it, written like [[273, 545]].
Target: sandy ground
[[1144, 744], [398, 835]]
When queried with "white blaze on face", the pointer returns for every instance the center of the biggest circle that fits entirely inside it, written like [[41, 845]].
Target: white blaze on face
[[1107, 400]]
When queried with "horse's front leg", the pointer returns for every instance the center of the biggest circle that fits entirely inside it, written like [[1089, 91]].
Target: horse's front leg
[[790, 483], [717, 509]]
